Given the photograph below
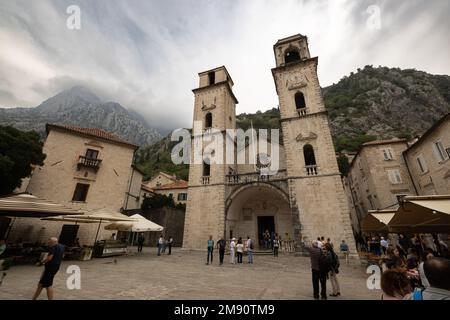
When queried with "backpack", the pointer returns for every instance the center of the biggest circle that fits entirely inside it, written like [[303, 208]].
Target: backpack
[[324, 263], [417, 294], [251, 244]]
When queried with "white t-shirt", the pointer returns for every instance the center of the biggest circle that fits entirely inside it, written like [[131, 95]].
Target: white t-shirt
[[232, 244], [240, 247], [319, 244]]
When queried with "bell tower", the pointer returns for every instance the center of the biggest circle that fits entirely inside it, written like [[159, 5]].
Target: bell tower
[[318, 203], [214, 113]]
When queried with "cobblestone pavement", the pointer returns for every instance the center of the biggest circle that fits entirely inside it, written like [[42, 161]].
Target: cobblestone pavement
[[184, 275]]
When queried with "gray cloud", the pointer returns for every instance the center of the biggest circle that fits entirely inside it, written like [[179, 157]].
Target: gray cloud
[[146, 54]]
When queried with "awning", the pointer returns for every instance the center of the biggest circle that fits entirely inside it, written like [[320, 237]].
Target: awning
[[377, 220], [422, 214], [27, 205], [140, 225]]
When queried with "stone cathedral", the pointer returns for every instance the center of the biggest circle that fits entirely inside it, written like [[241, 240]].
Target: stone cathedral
[[305, 198]]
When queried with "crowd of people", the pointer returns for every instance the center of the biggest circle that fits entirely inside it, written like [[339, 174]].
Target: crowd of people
[[162, 245], [413, 269]]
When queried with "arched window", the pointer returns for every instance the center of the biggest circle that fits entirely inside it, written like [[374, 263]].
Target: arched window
[[300, 101], [308, 153], [291, 55], [208, 120]]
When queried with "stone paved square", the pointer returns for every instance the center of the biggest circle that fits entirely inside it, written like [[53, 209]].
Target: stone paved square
[[184, 276]]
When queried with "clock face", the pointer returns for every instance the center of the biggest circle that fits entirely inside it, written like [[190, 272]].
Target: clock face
[[263, 160]]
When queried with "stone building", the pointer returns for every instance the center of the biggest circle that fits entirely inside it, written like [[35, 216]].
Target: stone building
[[160, 179], [304, 198], [377, 178], [166, 184], [85, 168], [428, 159]]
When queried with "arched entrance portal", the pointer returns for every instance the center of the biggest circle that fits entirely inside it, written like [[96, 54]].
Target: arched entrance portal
[[253, 209]]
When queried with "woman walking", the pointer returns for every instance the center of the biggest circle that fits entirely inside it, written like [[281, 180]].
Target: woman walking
[[240, 250], [334, 264]]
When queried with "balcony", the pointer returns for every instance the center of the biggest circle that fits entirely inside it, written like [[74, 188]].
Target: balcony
[[302, 112], [311, 170], [205, 180], [88, 163], [254, 177]]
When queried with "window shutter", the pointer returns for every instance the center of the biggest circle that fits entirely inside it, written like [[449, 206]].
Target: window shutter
[[391, 176], [437, 153], [398, 177]]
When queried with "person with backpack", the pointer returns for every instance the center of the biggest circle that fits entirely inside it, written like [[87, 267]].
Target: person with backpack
[[249, 245], [334, 266], [319, 270]]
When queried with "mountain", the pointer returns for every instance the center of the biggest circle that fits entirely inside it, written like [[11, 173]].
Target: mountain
[[385, 103], [79, 106], [373, 103]]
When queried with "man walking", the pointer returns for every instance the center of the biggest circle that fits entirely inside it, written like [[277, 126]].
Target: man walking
[[221, 244], [210, 250], [51, 263], [318, 275], [249, 246], [141, 240]]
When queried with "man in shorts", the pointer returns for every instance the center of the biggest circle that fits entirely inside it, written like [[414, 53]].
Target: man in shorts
[[51, 263]]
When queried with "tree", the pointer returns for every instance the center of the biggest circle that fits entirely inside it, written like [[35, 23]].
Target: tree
[[18, 151], [158, 201], [343, 164]]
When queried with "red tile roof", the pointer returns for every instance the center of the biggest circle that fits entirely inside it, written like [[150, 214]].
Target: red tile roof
[[90, 132], [180, 184], [148, 189]]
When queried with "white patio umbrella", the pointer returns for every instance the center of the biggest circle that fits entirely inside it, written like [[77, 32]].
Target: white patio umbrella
[[141, 224], [30, 206], [99, 215]]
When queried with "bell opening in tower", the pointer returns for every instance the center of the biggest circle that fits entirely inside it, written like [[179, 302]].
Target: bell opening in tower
[[291, 56]]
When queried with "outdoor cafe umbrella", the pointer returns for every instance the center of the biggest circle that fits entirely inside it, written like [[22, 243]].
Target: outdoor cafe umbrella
[[140, 225], [377, 220], [25, 205], [100, 215], [422, 214], [29, 206]]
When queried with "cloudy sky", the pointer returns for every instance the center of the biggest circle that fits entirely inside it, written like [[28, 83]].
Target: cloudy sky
[[146, 54]]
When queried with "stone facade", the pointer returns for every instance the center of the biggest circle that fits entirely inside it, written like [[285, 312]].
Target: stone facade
[[110, 181], [305, 198], [160, 179], [428, 160], [378, 176]]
